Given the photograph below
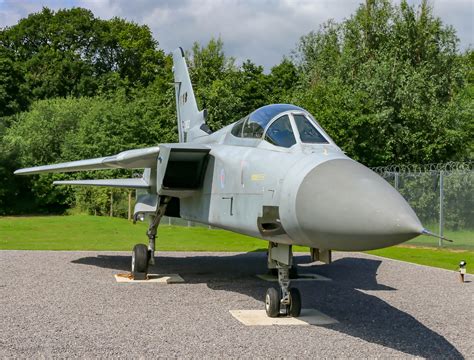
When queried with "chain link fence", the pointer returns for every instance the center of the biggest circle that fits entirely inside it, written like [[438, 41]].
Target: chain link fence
[[442, 196]]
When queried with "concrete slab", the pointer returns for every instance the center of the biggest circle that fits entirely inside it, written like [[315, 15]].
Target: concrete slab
[[260, 318], [152, 278], [301, 277]]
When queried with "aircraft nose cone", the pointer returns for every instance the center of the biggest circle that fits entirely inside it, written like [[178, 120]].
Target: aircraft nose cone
[[343, 205]]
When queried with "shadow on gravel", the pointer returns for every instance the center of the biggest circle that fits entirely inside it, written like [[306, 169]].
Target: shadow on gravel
[[359, 314]]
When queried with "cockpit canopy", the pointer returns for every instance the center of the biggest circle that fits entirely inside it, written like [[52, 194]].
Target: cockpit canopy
[[266, 123]]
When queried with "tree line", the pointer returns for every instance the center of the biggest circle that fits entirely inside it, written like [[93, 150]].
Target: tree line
[[389, 85]]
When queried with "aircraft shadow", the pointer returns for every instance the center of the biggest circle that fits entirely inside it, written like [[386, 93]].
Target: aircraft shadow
[[359, 314]]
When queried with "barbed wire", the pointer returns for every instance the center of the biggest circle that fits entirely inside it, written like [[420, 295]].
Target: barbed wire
[[452, 166]]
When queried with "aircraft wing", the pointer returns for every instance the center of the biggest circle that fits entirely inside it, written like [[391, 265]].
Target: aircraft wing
[[131, 159]]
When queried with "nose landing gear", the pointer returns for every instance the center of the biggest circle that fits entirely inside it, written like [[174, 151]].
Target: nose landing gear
[[280, 256]]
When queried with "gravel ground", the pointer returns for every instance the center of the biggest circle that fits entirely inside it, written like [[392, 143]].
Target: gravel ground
[[67, 304]]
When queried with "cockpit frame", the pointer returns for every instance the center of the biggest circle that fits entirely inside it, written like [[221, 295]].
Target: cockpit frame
[[278, 110]]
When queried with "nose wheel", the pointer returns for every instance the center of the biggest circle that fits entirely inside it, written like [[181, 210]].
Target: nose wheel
[[276, 305], [272, 302], [294, 309], [287, 301]]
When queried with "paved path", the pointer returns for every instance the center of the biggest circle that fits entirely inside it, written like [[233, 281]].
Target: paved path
[[67, 304]]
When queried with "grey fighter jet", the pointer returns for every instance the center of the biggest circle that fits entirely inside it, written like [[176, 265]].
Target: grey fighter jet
[[275, 175]]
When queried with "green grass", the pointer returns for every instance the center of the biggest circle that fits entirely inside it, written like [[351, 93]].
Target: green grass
[[82, 232], [462, 239], [442, 258]]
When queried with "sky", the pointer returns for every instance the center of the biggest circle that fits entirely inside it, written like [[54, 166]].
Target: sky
[[261, 30]]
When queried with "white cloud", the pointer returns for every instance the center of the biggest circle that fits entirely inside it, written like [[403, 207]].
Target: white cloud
[[263, 31]]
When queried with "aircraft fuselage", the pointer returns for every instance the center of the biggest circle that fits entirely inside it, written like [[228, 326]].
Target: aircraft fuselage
[[308, 194]]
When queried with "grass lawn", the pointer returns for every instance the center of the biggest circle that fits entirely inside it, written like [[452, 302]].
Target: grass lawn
[[462, 239], [442, 258], [82, 232]]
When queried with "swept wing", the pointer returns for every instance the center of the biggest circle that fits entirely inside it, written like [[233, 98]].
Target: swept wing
[[131, 159]]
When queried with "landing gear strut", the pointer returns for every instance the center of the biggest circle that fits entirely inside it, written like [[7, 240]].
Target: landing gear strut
[[280, 256], [142, 256]]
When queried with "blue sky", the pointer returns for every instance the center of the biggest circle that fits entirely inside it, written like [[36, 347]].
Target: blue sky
[[262, 30]]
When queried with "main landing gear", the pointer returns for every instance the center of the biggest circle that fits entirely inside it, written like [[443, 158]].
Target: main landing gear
[[143, 256], [287, 301]]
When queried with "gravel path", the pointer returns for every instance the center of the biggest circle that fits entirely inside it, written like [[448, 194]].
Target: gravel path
[[67, 304]]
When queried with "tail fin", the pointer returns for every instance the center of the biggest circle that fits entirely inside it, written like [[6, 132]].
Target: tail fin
[[191, 121]]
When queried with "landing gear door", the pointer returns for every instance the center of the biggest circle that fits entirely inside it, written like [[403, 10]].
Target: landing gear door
[[162, 163]]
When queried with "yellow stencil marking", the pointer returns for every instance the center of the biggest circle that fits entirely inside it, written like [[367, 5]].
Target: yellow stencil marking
[[257, 177]]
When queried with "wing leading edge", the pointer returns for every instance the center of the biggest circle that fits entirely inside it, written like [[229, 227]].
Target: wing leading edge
[[119, 183], [131, 159]]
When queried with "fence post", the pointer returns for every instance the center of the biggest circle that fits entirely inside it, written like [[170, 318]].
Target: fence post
[[441, 207], [129, 205], [397, 180], [111, 203]]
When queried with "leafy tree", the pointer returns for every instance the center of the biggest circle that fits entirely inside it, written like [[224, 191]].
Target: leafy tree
[[255, 89], [386, 84], [209, 63], [216, 83], [12, 93], [282, 80], [72, 53], [71, 129]]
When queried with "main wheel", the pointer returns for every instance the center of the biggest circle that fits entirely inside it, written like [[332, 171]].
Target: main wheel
[[140, 259], [295, 303], [272, 302]]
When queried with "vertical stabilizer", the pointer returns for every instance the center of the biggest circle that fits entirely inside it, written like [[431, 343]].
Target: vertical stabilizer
[[191, 121]]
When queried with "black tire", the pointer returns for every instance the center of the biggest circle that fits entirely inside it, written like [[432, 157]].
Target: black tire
[[295, 303], [272, 302], [140, 259]]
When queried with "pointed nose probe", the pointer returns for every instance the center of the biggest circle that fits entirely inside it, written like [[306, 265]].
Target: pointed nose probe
[[343, 205]]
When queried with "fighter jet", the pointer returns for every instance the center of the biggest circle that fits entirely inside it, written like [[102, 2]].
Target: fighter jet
[[274, 174]]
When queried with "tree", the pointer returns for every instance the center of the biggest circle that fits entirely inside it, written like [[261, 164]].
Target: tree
[[70, 129], [255, 89], [12, 93], [216, 83], [386, 84], [282, 81], [72, 53]]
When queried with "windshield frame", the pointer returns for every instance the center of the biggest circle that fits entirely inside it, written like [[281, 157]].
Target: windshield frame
[[292, 124], [316, 126], [296, 132]]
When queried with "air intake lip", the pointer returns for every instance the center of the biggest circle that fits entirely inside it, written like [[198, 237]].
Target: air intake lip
[[269, 223]]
